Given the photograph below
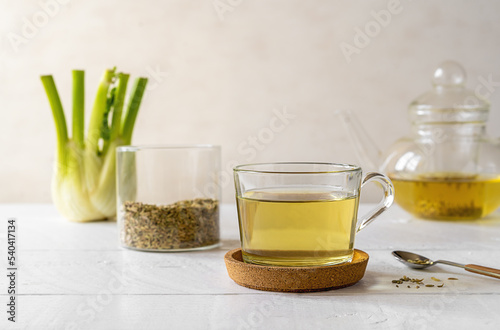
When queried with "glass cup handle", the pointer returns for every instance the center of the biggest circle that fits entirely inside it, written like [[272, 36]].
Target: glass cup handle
[[384, 204]]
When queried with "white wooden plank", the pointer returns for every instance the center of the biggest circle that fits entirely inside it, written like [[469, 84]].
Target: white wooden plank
[[204, 272], [396, 229], [255, 311]]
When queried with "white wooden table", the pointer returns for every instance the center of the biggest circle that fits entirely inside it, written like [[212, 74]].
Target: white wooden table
[[75, 276]]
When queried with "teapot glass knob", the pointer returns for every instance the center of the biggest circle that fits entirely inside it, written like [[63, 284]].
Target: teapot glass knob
[[449, 73]]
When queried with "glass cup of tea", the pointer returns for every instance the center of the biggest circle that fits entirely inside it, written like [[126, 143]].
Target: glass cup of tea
[[302, 214]]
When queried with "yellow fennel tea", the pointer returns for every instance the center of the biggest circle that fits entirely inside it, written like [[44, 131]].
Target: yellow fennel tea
[[448, 196], [298, 226]]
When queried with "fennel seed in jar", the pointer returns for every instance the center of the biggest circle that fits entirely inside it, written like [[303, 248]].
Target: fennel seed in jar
[[182, 225]]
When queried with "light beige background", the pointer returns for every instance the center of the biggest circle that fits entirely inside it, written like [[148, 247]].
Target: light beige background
[[220, 69]]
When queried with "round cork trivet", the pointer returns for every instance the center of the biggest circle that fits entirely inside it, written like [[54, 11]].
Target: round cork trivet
[[295, 279]]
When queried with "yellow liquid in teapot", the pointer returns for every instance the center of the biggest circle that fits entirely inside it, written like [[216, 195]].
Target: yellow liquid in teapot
[[447, 196]]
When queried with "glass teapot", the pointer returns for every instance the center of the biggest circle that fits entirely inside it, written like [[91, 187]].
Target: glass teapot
[[448, 169]]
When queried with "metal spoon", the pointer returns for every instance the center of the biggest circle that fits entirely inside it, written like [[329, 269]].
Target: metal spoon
[[417, 261]]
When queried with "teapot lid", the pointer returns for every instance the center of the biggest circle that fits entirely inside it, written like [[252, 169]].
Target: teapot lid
[[449, 101]]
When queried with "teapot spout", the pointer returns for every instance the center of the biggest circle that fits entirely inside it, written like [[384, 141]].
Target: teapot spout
[[366, 151]]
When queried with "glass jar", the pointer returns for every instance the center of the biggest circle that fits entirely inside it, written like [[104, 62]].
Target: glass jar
[[168, 197]]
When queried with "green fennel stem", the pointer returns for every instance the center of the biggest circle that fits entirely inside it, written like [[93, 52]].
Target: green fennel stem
[[98, 110], [133, 108], [118, 107], [78, 107], [58, 114]]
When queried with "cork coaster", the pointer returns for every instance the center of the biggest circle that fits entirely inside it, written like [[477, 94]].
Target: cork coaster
[[295, 279]]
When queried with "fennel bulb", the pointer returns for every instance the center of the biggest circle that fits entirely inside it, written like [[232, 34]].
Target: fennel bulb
[[83, 184]]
